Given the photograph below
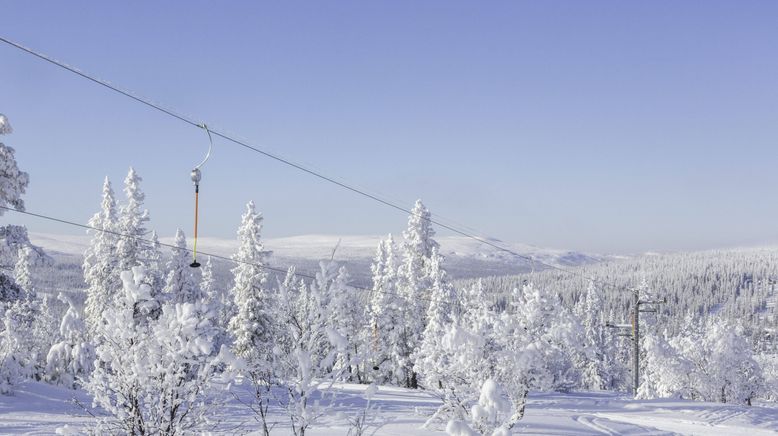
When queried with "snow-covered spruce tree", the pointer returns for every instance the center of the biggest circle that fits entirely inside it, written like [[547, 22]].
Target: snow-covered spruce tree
[[414, 284], [180, 286], [101, 272], [618, 356], [345, 314], [595, 372], [252, 327], [22, 271], [20, 352], [71, 359], [384, 334], [33, 317], [211, 292], [216, 298], [151, 259], [431, 358], [321, 293], [132, 225], [153, 375], [13, 182]]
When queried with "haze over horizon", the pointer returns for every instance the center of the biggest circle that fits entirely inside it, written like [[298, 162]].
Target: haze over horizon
[[620, 128]]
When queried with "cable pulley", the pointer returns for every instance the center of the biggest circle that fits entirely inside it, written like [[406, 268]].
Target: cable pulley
[[196, 175]]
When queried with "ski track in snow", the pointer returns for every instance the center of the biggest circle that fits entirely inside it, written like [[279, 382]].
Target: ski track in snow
[[39, 409]]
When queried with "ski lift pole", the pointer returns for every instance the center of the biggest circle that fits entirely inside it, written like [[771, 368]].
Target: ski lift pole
[[196, 176]]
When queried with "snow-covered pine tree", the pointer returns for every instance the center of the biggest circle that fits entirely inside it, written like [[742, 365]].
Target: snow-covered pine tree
[[252, 326], [101, 272], [384, 333], [180, 286], [70, 359], [414, 284]]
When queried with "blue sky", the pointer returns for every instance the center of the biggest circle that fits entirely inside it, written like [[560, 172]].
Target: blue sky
[[598, 126]]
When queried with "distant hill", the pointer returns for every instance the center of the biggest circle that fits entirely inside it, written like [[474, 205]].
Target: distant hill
[[465, 257]]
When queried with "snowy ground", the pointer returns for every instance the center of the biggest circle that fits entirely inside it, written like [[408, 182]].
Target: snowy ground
[[39, 409]]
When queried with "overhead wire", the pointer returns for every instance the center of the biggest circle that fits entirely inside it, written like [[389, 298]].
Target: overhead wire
[[295, 165]]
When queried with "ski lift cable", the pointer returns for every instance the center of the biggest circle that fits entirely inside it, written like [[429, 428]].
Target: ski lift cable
[[175, 247], [288, 162]]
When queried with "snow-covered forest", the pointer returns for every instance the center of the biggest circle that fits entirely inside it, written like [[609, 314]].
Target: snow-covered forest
[[154, 346]]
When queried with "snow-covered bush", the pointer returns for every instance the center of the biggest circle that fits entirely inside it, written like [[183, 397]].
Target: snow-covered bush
[[769, 365], [479, 351], [711, 361], [367, 417], [305, 359], [492, 415], [72, 358], [153, 376], [16, 359]]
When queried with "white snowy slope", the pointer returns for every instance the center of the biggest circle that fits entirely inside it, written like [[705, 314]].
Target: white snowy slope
[[40, 409]]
